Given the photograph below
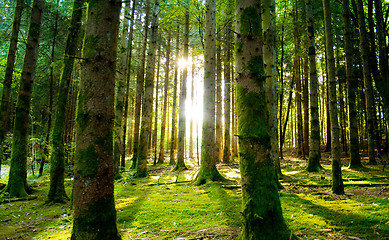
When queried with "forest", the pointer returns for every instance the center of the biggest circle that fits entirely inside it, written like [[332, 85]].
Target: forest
[[189, 119]]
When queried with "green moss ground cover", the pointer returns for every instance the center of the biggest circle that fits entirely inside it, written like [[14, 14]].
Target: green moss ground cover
[[167, 205]]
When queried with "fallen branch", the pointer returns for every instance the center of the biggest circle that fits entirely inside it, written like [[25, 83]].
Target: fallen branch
[[17, 199]]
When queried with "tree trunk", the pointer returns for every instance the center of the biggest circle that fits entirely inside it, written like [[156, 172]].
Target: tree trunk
[[17, 182], [166, 89], [219, 107], [337, 182], [155, 130], [57, 171], [147, 101], [120, 93], [94, 214], [369, 95], [140, 86], [180, 163], [5, 115], [262, 213], [128, 77], [192, 90], [297, 75], [227, 97], [172, 160], [314, 140], [208, 170]]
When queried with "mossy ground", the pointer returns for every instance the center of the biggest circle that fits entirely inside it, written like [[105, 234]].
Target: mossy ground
[[166, 205]]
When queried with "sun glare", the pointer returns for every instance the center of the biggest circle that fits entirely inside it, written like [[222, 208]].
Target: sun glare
[[182, 63]]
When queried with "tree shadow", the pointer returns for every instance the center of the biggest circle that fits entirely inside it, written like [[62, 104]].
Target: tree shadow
[[343, 221]]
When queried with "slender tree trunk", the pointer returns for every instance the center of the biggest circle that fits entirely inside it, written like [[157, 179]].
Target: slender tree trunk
[[165, 103], [337, 181], [219, 107], [17, 181], [305, 108], [369, 95], [120, 93], [192, 117], [127, 96], [94, 214], [174, 108], [5, 115], [208, 170], [147, 101], [57, 171], [227, 97], [314, 141], [262, 213], [180, 163], [140, 86], [155, 133], [297, 72]]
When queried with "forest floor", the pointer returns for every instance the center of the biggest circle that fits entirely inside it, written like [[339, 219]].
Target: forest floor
[[166, 205]]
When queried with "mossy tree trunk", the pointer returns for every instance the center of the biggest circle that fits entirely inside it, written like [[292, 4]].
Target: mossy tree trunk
[[192, 101], [17, 181], [337, 181], [262, 213], [161, 157], [94, 214], [172, 160], [140, 86], [208, 170], [155, 128], [127, 96], [352, 85], [369, 96], [57, 169], [5, 116], [147, 101], [180, 163], [314, 140]]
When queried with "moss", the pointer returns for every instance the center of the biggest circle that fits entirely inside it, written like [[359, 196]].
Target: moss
[[250, 124], [90, 43], [93, 223], [257, 72], [105, 142], [238, 48], [82, 117], [250, 22], [87, 162]]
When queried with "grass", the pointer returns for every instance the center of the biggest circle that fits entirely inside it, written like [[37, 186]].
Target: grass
[[167, 205]]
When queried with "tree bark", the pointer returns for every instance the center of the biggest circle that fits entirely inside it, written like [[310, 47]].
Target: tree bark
[[17, 181], [57, 170], [219, 107], [337, 181], [262, 213], [227, 97]]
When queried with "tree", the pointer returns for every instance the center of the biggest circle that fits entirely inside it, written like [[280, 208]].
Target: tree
[[180, 163], [140, 85], [314, 149], [369, 95], [17, 182], [262, 213], [352, 85], [227, 96], [147, 101], [165, 97], [57, 162], [337, 181], [5, 116], [208, 170], [94, 214]]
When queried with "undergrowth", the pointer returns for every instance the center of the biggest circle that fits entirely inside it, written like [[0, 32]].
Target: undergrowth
[[167, 205]]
